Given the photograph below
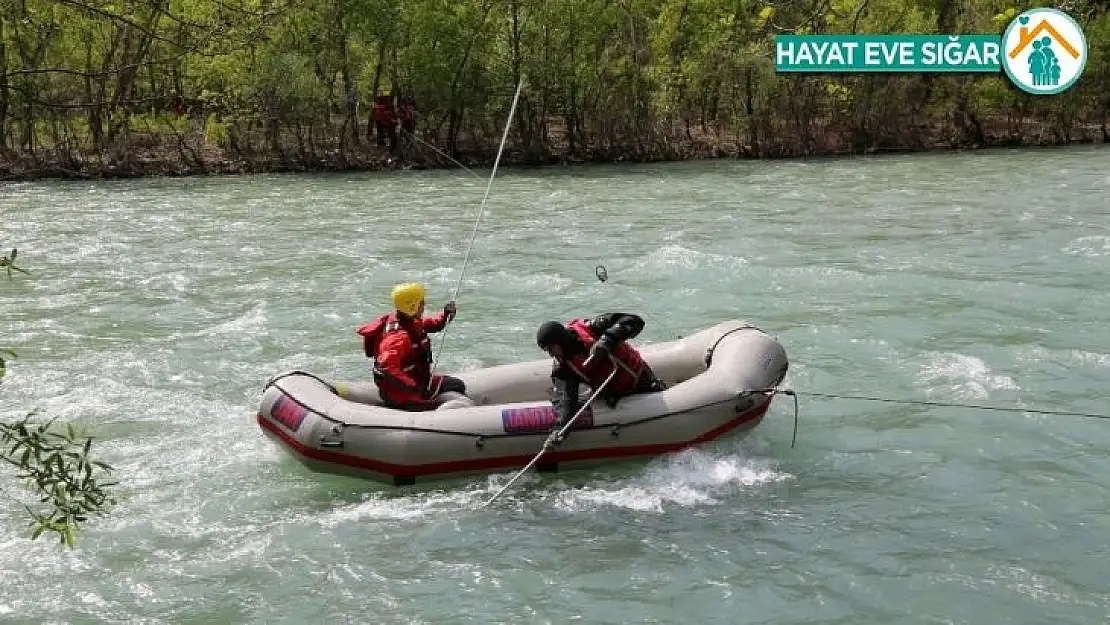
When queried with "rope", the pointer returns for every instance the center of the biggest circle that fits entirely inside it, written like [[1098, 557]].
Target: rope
[[913, 402], [481, 211], [917, 402], [442, 153], [771, 392], [795, 396], [555, 437], [920, 402]]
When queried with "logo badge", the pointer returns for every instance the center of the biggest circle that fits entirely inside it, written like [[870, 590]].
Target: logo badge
[[1044, 51], [288, 413], [539, 419]]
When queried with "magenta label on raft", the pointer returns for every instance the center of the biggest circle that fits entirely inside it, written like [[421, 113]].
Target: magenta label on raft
[[539, 419], [288, 413]]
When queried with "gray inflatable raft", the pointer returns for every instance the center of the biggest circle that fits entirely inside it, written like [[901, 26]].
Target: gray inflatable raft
[[720, 380]]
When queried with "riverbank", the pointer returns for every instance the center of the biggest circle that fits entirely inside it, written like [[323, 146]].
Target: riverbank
[[153, 155]]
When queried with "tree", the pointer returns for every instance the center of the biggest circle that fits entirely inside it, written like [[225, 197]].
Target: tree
[[92, 87], [53, 465]]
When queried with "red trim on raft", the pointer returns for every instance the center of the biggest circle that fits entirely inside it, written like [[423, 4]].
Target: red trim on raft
[[506, 462]]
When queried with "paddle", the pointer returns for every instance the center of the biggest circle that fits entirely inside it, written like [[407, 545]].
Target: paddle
[[557, 436]]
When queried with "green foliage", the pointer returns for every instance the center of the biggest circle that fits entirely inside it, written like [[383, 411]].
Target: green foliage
[[3, 362], [215, 131], [79, 77], [8, 263], [1000, 20], [58, 466]]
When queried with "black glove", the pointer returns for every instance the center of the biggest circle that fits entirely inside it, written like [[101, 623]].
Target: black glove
[[554, 439], [560, 422], [601, 348], [449, 309]]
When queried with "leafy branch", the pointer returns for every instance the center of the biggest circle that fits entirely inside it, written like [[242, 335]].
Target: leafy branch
[[8, 262], [3, 362], [58, 467]]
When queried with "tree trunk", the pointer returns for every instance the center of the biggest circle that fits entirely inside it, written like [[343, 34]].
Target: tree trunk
[[749, 108], [349, 85], [374, 89], [91, 97], [457, 105], [3, 89]]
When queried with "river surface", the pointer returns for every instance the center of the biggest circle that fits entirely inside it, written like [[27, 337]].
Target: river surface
[[157, 309]]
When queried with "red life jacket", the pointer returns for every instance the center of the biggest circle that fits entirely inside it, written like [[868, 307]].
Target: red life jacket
[[630, 362], [372, 334], [416, 360], [381, 113]]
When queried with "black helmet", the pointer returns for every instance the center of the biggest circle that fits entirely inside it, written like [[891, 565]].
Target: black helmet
[[553, 333]]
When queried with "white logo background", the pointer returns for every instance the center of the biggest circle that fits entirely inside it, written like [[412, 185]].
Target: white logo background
[[1070, 68]]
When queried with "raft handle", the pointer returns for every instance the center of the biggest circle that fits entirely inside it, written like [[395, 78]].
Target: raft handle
[[712, 348], [480, 442], [615, 432], [327, 443]]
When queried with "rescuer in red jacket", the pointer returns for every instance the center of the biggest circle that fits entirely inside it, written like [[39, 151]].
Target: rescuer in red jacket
[[601, 337], [402, 352], [385, 121]]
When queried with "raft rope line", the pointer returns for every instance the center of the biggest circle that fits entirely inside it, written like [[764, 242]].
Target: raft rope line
[[557, 437], [441, 153], [922, 402], [478, 220]]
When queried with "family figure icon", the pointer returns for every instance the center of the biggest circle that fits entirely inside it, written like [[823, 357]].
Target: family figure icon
[[1043, 64]]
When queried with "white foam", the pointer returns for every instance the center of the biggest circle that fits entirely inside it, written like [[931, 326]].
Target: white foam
[[544, 283], [686, 258], [688, 479], [250, 323], [1071, 357], [963, 374], [384, 506], [1090, 247], [439, 275], [92, 598]]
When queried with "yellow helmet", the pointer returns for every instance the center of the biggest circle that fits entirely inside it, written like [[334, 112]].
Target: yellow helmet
[[408, 297]]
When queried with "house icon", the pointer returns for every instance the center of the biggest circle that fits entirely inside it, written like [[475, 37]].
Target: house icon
[[1025, 37], [1045, 51]]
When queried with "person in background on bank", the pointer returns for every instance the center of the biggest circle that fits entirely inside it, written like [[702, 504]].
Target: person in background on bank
[[385, 121], [407, 116], [603, 342], [402, 352]]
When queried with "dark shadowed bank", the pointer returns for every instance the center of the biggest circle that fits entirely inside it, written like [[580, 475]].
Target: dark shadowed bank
[[91, 88], [153, 155]]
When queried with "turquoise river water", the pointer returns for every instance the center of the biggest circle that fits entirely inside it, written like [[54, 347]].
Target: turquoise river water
[[157, 309]]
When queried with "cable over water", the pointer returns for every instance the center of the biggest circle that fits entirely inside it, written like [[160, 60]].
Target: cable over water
[[481, 211], [917, 402], [442, 153]]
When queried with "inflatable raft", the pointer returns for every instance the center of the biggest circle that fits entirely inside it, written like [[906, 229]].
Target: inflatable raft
[[720, 380]]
